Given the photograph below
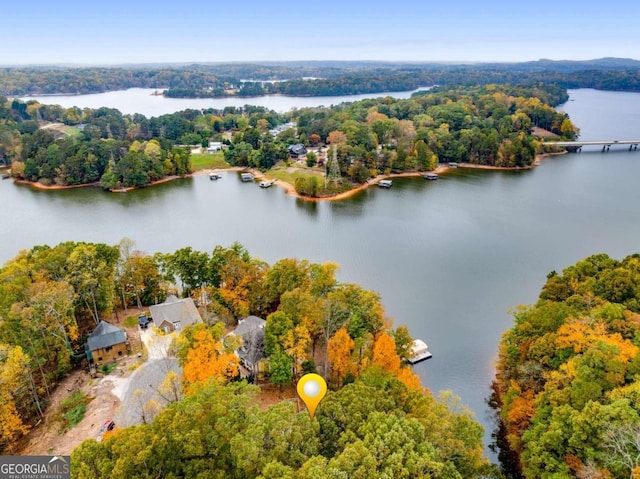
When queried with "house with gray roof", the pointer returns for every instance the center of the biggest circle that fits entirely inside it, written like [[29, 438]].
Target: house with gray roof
[[298, 150], [175, 314], [106, 343], [251, 352]]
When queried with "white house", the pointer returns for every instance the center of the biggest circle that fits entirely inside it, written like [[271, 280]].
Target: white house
[[214, 146]]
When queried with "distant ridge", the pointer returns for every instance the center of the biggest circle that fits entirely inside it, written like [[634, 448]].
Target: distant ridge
[[605, 63]]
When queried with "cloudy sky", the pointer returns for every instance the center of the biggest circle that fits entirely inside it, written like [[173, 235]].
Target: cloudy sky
[[141, 31]]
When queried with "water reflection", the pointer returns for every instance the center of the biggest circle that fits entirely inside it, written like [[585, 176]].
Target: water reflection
[[311, 208]]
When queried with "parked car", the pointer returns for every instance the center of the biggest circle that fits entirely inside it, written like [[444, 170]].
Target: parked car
[[107, 426]]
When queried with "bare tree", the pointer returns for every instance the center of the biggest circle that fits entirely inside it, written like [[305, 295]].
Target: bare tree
[[623, 442]]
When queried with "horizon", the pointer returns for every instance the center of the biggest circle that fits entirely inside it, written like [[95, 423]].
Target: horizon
[[70, 32], [181, 64]]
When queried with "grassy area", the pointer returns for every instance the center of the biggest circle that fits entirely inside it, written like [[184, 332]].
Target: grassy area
[[131, 321], [72, 130], [290, 177], [206, 161], [108, 368], [73, 410]]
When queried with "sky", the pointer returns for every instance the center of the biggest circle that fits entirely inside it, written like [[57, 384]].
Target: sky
[[94, 32]]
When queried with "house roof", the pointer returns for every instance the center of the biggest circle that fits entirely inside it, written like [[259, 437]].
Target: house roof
[[174, 310], [251, 329], [298, 149], [106, 335], [248, 325]]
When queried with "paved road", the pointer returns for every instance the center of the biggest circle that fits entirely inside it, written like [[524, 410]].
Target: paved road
[[143, 387]]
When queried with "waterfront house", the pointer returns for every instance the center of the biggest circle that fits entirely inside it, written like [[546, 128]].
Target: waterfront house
[[175, 314]]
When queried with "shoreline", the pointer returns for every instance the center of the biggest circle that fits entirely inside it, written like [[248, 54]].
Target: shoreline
[[288, 187]]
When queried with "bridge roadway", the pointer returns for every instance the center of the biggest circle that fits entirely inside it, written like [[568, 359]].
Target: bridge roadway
[[606, 144]]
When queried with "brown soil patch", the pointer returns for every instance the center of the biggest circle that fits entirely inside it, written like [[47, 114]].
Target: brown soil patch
[[271, 394], [46, 437]]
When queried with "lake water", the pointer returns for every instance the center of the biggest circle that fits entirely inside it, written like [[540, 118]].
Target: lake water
[[449, 257], [143, 100]]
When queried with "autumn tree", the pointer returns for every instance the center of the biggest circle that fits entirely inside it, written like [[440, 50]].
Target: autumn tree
[[14, 365], [339, 352], [90, 269], [336, 137], [208, 357]]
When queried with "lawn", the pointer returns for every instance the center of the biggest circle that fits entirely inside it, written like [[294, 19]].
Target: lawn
[[290, 176], [206, 161]]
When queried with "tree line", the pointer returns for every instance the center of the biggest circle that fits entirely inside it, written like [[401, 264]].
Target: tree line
[[312, 78], [567, 385]]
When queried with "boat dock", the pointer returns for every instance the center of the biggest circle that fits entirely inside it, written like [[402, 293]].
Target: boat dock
[[419, 351]]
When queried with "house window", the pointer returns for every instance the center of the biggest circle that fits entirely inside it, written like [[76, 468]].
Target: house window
[[119, 353], [108, 348]]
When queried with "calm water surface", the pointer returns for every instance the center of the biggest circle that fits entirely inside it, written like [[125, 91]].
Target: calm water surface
[[142, 100], [449, 257]]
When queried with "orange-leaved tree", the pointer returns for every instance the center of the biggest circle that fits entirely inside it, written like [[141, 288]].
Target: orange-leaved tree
[[386, 357], [339, 352], [208, 357]]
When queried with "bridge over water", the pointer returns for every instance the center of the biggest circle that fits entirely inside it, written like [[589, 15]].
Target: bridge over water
[[606, 144]]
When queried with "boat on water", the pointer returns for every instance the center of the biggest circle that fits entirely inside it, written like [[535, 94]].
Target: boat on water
[[419, 351], [214, 176], [430, 176], [266, 184], [246, 176], [6, 176], [453, 164], [385, 183]]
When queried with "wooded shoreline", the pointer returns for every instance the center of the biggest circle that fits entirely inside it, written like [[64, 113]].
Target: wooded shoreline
[[288, 187]]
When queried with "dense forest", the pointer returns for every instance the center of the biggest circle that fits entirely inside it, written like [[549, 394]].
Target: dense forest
[[52, 297], [313, 78], [489, 125], [567, 382], [372, 428], [89, 146]]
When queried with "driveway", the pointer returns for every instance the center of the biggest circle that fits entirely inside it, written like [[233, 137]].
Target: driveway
[[141, 394], [143, 397]]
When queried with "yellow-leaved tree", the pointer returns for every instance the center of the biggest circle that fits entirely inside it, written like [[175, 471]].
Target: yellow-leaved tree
[[13, 365]]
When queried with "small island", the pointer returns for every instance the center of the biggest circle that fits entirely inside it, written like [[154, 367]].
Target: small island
[[322, 153]]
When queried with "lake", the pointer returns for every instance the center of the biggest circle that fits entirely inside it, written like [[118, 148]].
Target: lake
[[450, 258], [143, 100]]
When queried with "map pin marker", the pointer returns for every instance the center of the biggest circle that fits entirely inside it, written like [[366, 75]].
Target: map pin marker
[[311, 389]]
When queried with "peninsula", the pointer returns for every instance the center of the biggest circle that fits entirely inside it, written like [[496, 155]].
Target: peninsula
[[320, 152]]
